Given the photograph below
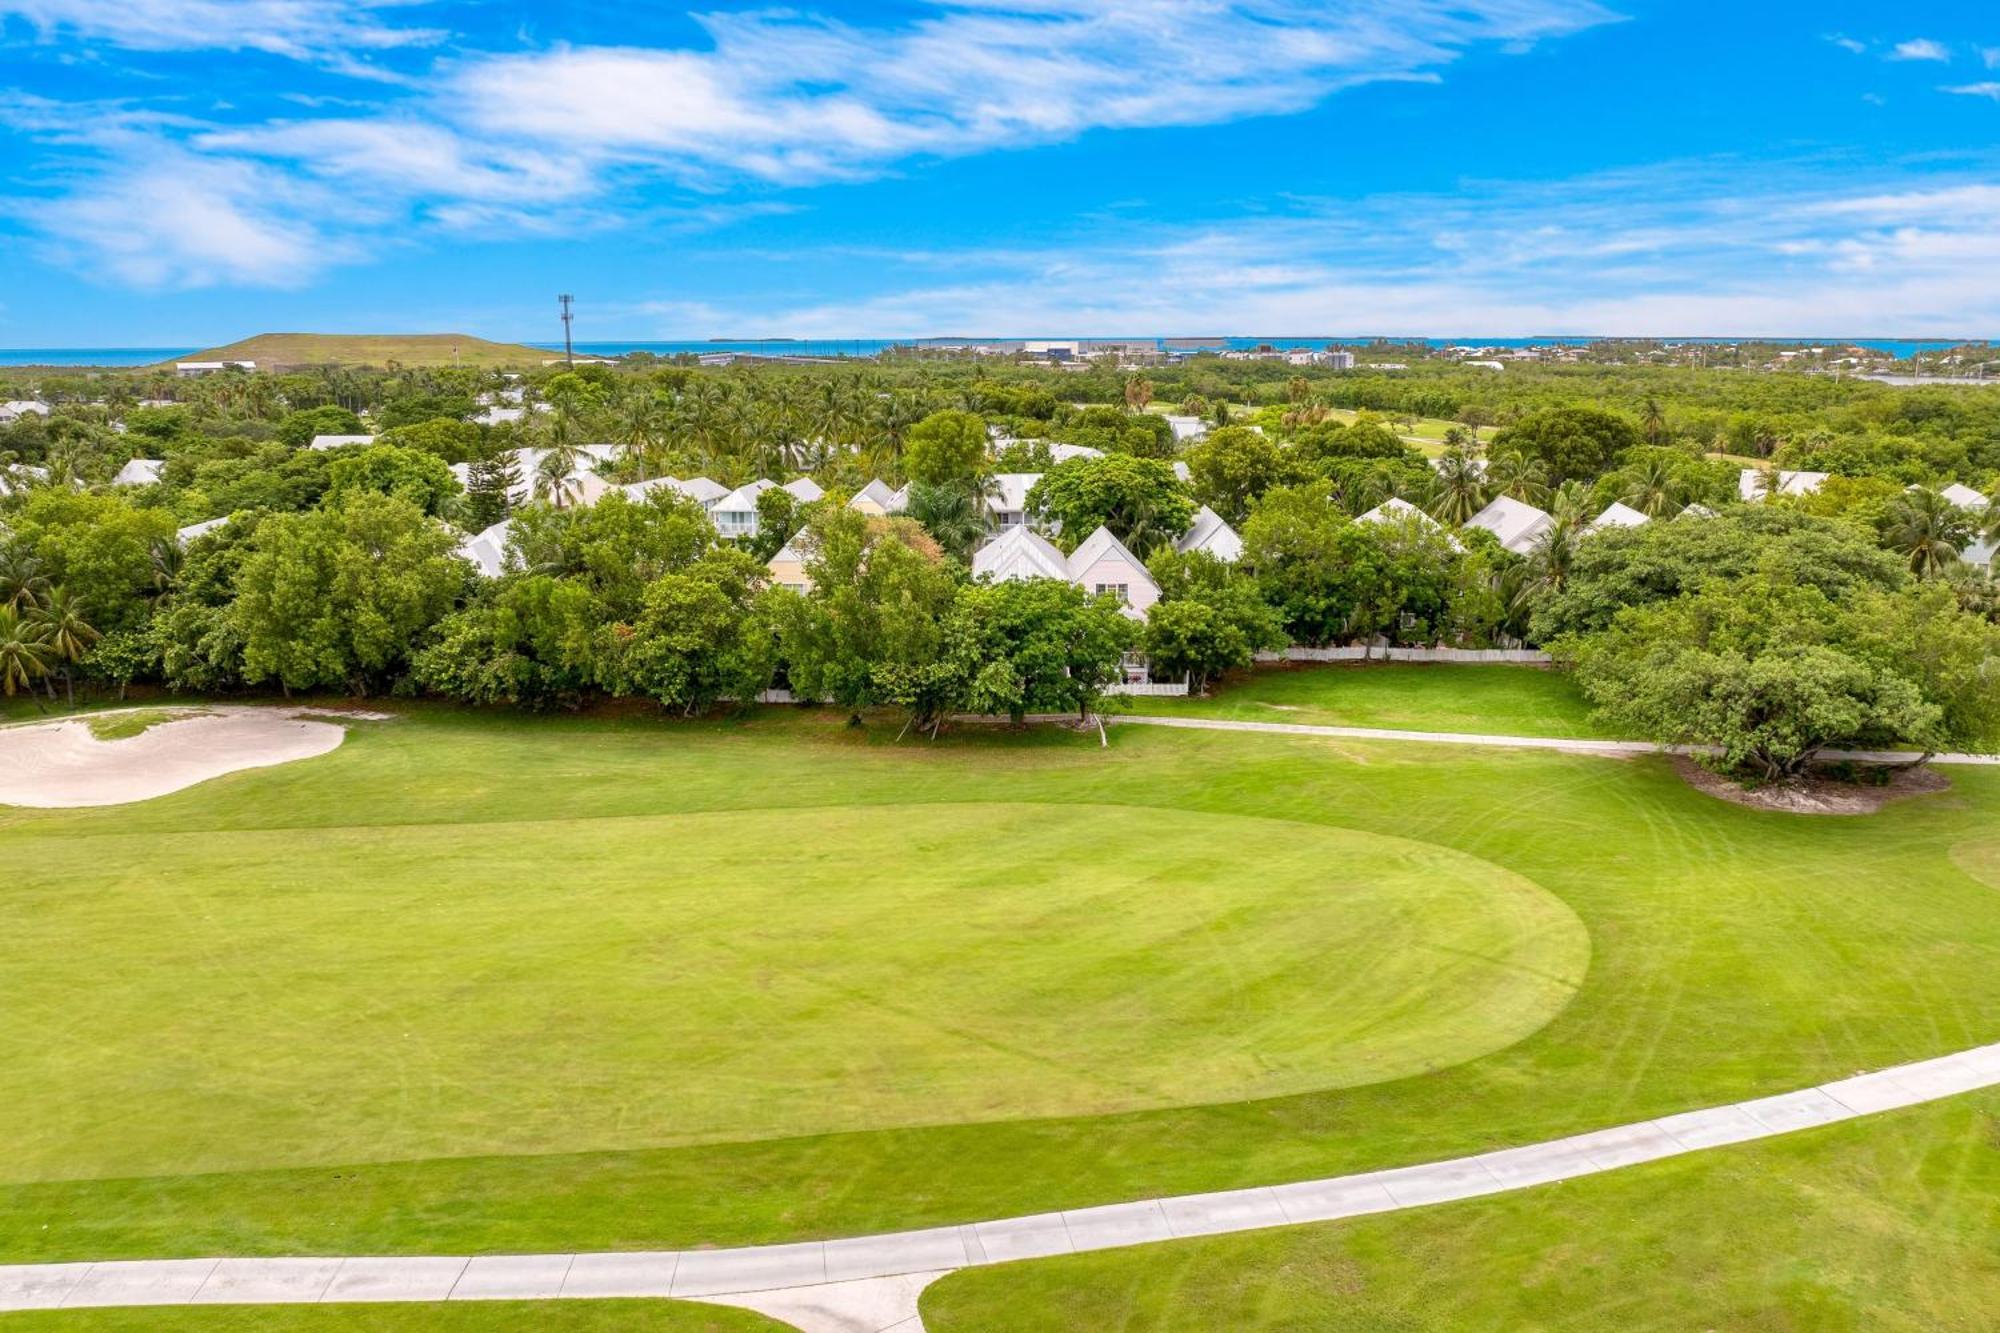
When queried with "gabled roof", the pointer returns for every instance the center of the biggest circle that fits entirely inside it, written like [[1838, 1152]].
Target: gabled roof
[[878, 494], [704, 490], [639, 490], [1011, 491], [1695, 511], [1620, 515], [1514, 522], [1181, 471], [743, 499], [1019, 553], [1187, 428], [1397, 510], [1100, 545], [1963, 496], [139, 472], [804, 489], [488, 550], [788, 553], [339, 441], [1211, 534]]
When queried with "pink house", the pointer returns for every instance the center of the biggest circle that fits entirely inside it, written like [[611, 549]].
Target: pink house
[[1100, 565]]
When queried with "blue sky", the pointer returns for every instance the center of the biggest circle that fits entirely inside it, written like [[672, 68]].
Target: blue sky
[[190, 171]]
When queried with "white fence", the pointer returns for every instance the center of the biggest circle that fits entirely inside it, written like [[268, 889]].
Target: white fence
[[1153, 691], [1377, 653]]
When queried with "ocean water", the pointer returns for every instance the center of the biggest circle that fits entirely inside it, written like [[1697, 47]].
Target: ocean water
[[868, 347]]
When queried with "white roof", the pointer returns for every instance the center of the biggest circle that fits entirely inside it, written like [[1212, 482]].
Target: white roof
[[139, 472], [494, 416], [1620, 515], [1395, 510], [193, 530], [1181, 472], [743, 499], [1980, 553], [704, 490], [804, 489], [1019, 553], [1789, 483], [878, 493], [1697, 511], [488, 550], [1062, 453], [1187, 428], [21, 407], [1515, 523], [789, 553], [1011, 491], [1963, 496], [1209, 533], [339, 441]]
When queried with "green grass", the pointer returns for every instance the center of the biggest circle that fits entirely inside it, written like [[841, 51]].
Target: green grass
[[620, 1316], [817, 970], [1493, 700], [125, 724], [1880, 1224], [270, 350], [444, 876]]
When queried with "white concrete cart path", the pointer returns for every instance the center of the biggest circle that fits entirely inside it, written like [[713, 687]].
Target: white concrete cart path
[[1565, 744], [870, 1284]]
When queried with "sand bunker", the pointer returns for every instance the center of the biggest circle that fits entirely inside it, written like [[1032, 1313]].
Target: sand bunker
[[61, 764]]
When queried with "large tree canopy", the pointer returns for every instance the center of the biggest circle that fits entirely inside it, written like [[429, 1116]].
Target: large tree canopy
[[1139, 499]]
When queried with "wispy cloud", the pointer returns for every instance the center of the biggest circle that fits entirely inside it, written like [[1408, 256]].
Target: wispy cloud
[[1683, 248], [776, 99], [1846, 43], [1988, 89], [1921, 48]]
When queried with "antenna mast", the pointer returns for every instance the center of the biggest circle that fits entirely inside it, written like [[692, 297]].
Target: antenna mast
[[569, 354]]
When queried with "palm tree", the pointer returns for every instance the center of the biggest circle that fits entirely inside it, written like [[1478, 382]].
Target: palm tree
[[555, 474], [1653, 489], [22, 582], [1571, 502], [953, 515], [1138, 392], [1928, 530], [1460, 489], [1554, 553], [1653, 422], [1519, 476], [24, 654], [66, 634]]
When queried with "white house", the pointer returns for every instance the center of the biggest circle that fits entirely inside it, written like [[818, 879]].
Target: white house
[[1750, 484], [1008, 504], [1396, 510], [1695, 511], [325, 442], [139, 472], [488, 550], [1212, 536], [1620, 515], [803, 489], [1963, 496], [20, 477], [1101, 564], [735, 514], [14, 409], [189, 369], [878, 500], [1062, 453], [1518, 525], [1186, 428]]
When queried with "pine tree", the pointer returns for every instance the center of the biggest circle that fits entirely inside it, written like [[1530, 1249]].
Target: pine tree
[[489, 484]]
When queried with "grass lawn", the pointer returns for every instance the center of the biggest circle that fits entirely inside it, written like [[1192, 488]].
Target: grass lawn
[[621, 1316], [1879, 1224], [487, 983], [125, 724], [1502, 700]]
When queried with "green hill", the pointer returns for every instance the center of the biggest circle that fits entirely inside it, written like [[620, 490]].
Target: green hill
[[280, 351]]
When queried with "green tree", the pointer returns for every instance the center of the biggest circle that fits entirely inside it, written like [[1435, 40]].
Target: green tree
[[1460, 489], [67, 634], [699, 637], [423, 479], [1211, 618], [536, 640], [1928, 531], [298, 428], [1038, 645], [453, 441], [1139, 499], [1570, 441], [1333, 580], [340, 598], [945, 448], [1232, 467], [99, 546], [24, 651], [954, 513]]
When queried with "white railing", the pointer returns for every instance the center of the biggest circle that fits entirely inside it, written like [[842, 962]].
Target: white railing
[[1378, 653], [1156, 690]]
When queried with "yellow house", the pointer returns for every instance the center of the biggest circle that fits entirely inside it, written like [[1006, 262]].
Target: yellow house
[[788, 569]]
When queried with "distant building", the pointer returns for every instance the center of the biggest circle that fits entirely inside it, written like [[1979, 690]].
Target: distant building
[[189, 369], [321, 443], [139, 472]]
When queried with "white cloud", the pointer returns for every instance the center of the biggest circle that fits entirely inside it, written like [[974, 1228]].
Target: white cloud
[[1684, 248], [1847, 43], [298, 29], [1921, 48], [166, 217], [1989, 89]]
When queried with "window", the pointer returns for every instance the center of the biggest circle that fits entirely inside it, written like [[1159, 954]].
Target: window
[[1122, 589]]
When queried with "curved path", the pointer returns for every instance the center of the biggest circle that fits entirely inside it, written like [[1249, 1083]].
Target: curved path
[[870, 1284], [1565, 744]]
